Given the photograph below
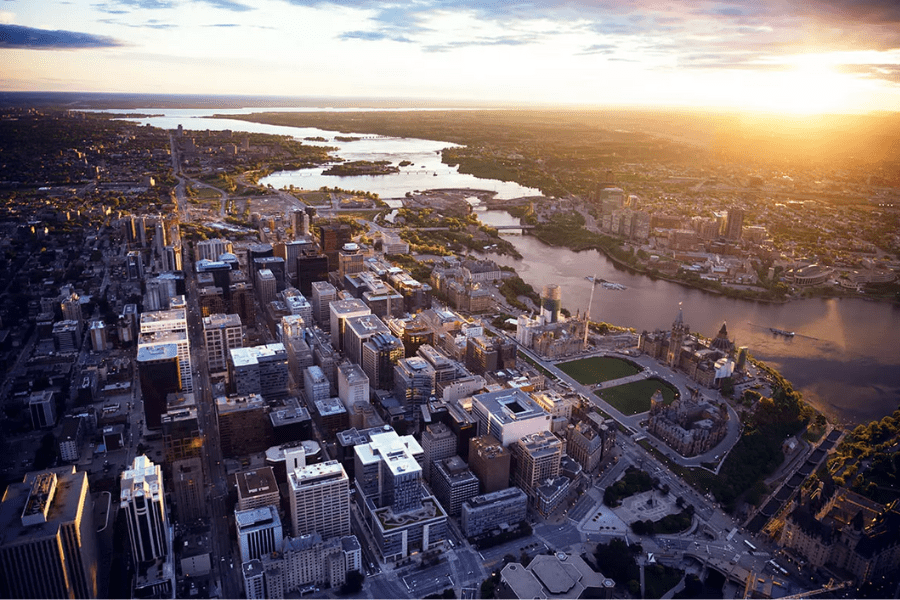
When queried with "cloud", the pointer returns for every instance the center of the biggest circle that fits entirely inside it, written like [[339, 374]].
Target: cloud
[[599, 49], [229, 5], [146, 24], [872, 12], [505, 41], [885, 72], [16, 36], [373, 36]]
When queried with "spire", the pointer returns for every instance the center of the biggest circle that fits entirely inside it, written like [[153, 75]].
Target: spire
[[679, 318]]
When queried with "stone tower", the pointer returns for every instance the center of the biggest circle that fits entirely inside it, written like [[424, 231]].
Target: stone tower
[[676, 341]]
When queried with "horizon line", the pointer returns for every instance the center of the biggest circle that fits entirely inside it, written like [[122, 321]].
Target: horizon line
[[415, 103]]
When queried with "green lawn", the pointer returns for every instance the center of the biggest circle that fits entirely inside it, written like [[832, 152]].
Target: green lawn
[[598, 369], [633, 398]]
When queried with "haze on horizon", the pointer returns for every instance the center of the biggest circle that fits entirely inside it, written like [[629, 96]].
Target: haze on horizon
[[810, 57]]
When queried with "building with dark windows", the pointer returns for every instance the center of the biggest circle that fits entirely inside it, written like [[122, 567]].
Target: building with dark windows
[[453, 483], [48, 538], [490, 462], [332, 237], [498, 510], [160, 375]]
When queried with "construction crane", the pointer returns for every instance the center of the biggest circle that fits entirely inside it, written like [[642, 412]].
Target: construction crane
[[831, 586]]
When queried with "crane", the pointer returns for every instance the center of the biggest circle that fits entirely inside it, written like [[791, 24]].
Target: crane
[[831, 586]]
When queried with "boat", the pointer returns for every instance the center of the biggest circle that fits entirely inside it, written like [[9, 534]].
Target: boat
[[777, 331], [609, 285]]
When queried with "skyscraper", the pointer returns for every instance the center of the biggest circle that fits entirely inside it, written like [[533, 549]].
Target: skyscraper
[[380, 354], [323, 294], [537, 458], [158, 368], [48, 544], [143, 499], [259, 532], [734, 223], [332, 237], [221, 333], [170, 327], [320, 500]]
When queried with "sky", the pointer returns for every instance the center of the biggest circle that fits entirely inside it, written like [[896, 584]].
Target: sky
[[804, 56]]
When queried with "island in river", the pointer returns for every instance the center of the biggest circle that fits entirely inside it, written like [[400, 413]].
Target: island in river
[[362, 167]]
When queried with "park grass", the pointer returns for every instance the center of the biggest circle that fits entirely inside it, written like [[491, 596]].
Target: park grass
[[634, 398], [598, 369]]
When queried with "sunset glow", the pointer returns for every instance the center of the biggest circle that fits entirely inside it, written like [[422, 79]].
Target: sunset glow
[[773, 56]]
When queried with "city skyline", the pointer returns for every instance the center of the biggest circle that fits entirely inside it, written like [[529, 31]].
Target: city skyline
[[813, 57]]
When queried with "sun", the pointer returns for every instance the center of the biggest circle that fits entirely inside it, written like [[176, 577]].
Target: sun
[[803, 90]]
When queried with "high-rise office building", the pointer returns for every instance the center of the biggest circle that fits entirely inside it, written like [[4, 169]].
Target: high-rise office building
[[42, 407], [323, 294], [244, 426], [380, 354], [260, 370], [181, 432], [259, 532], [315, 385], [453, 483], [312, 267], [508, 415], [445, 368], [242, 302], [359, 329], [413, 383], [320, 500], [160, 375], [734, 224], [276, 265], [170, 327], [387, 469], [99, 339], [484, 355], [256, 488], [134, 265], [288, 252], [188, 489], [212, 249], [254, 576], [300, 223], [266, 286], [71, 309], [537, 458], [341, 311], [143, 499], [487, 512], [439, 443], [332, 237], [257, 251], [222, 333], [66, 336], [350, 260], [404, 519], [490, 462], [48, 544], [353, 385]]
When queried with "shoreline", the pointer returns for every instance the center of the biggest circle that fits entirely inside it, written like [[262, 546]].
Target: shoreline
[[618, 263]]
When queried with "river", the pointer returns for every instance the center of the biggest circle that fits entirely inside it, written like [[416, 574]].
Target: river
[[844, 358]]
